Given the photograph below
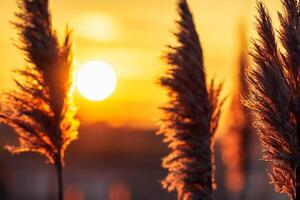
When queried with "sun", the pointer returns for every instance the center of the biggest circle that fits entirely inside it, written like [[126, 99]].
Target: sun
[[96, 80]]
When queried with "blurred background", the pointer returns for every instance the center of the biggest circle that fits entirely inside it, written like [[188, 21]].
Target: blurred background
[[118, 155]]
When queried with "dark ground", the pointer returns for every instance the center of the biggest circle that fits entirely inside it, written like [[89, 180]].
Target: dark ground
[[109, 164]]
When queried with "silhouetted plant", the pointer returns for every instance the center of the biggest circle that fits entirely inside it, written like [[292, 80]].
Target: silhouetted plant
[[191, 116], [40, 108], [275, 95], [235, 142]]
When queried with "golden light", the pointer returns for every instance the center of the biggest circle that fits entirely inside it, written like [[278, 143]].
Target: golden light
[[96, 80], [99, 27]]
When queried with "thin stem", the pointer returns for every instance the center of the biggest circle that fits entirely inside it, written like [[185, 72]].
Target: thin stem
[[246, 145], [60, 186], [179, 195], [244, 192]]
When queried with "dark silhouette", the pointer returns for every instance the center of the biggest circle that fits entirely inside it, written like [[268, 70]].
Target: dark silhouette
[[274, 95], [191, 116], [40, 109]]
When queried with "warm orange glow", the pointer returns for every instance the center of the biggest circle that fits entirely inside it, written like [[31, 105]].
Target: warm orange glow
[[96, 80], [96, 27], [129, 36]]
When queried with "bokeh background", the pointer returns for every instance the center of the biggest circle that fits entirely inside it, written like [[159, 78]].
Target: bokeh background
[[117, 156]]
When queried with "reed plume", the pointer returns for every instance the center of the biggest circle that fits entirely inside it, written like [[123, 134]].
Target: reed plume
[[40, 108], [274, 95], [191, 115], [235, 143]]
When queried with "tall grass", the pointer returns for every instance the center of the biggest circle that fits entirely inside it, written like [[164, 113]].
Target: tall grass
[[235, 142], [40, 108], [191, 115], [274, 98]]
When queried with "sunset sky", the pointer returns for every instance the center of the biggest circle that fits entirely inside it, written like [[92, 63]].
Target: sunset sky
[[130, 35]]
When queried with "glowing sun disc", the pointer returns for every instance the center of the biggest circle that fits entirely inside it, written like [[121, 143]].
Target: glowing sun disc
[[96, 80]]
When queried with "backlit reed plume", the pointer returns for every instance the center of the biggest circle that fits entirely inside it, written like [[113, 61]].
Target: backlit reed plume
[[274, 98], [191, 115], [235, 142], [40, 108]]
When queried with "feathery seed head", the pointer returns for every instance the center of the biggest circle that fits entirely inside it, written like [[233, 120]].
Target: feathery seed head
[[40, 108], [191, 116], [273, 95]]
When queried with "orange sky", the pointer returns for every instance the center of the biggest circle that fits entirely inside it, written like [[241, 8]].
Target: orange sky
[[131, 35]]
